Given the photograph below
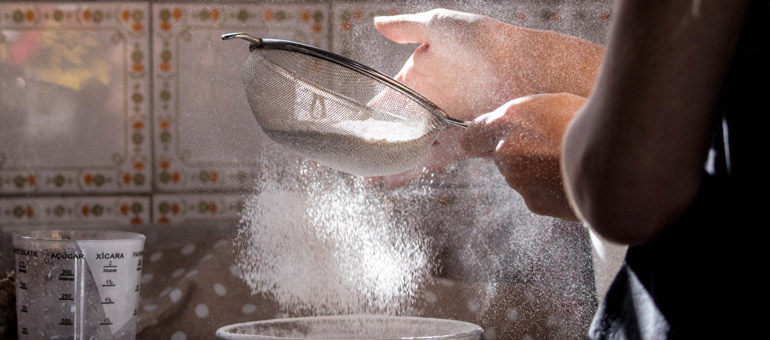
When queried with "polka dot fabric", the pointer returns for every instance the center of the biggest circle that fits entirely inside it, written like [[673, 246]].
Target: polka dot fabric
[[190, 288]]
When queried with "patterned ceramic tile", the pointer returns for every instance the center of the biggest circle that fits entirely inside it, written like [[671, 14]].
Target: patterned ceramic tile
[[355, 36], [81, 211], [205, 135], [585, 20], [174, 209], [74, 104]]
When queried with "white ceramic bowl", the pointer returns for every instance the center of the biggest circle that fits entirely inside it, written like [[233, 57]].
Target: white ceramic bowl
[[352, 327]]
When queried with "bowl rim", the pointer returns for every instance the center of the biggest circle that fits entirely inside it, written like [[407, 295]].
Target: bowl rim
[[224, 332]]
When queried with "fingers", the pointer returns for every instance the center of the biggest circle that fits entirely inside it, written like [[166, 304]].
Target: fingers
[[414, 76], [535, 122], [479, 140], [485, 132], [427, 26], [405, 28], [421, 78], [537, 177]]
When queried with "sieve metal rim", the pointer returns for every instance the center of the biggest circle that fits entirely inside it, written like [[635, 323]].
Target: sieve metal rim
[[286, 45]]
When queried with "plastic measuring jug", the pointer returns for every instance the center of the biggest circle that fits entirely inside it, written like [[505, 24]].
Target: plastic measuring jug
[[77, 284]]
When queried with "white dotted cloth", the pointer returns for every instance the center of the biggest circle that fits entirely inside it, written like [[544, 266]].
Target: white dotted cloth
[[201, 310], [192, 287], [190, 294], [179, 335]]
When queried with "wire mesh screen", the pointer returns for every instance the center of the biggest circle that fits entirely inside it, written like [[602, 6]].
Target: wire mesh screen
[[335, 115]]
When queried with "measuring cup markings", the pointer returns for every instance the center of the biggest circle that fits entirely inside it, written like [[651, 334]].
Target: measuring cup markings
[[22, 267], [47, 262], [140, 255], [108, 268], [71, 288], [66, 275], [114, 262]]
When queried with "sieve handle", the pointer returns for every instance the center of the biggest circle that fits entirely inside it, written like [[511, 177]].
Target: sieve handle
[[457, 122], [255, 42]]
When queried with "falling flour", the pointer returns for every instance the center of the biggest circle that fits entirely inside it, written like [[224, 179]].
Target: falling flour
[[319, 246], [318, 242], [325, 245]]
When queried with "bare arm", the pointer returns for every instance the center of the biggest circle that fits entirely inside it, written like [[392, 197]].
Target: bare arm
[[633, 156], [556, 63], [470, 65]]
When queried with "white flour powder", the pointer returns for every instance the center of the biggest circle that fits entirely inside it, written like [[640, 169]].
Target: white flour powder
[[354, 154], [329, 246]]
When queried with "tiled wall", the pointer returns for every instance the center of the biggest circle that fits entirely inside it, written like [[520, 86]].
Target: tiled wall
[[133, 115], [133, 112]]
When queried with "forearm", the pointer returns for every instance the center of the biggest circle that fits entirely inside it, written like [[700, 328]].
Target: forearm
[[555, 62], [633, 156]]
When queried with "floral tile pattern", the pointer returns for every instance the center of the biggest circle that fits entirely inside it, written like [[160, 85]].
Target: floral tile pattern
[[103, 211], [355, 36], [174, 209], [586, 20], [74, 105], [205, 135], [132, 114], [193, 131]]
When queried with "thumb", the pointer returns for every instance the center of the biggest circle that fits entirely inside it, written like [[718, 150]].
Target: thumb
[[484, 132], [404, 28]]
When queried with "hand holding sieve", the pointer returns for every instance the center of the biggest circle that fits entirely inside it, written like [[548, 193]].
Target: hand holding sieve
[[336, 111]]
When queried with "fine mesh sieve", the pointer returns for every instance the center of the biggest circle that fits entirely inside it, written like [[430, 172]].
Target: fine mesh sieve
[[336, 111]]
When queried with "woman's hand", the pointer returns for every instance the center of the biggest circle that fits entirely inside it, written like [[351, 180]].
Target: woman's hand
[[469, 64], [458, 66], [524, 139]]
